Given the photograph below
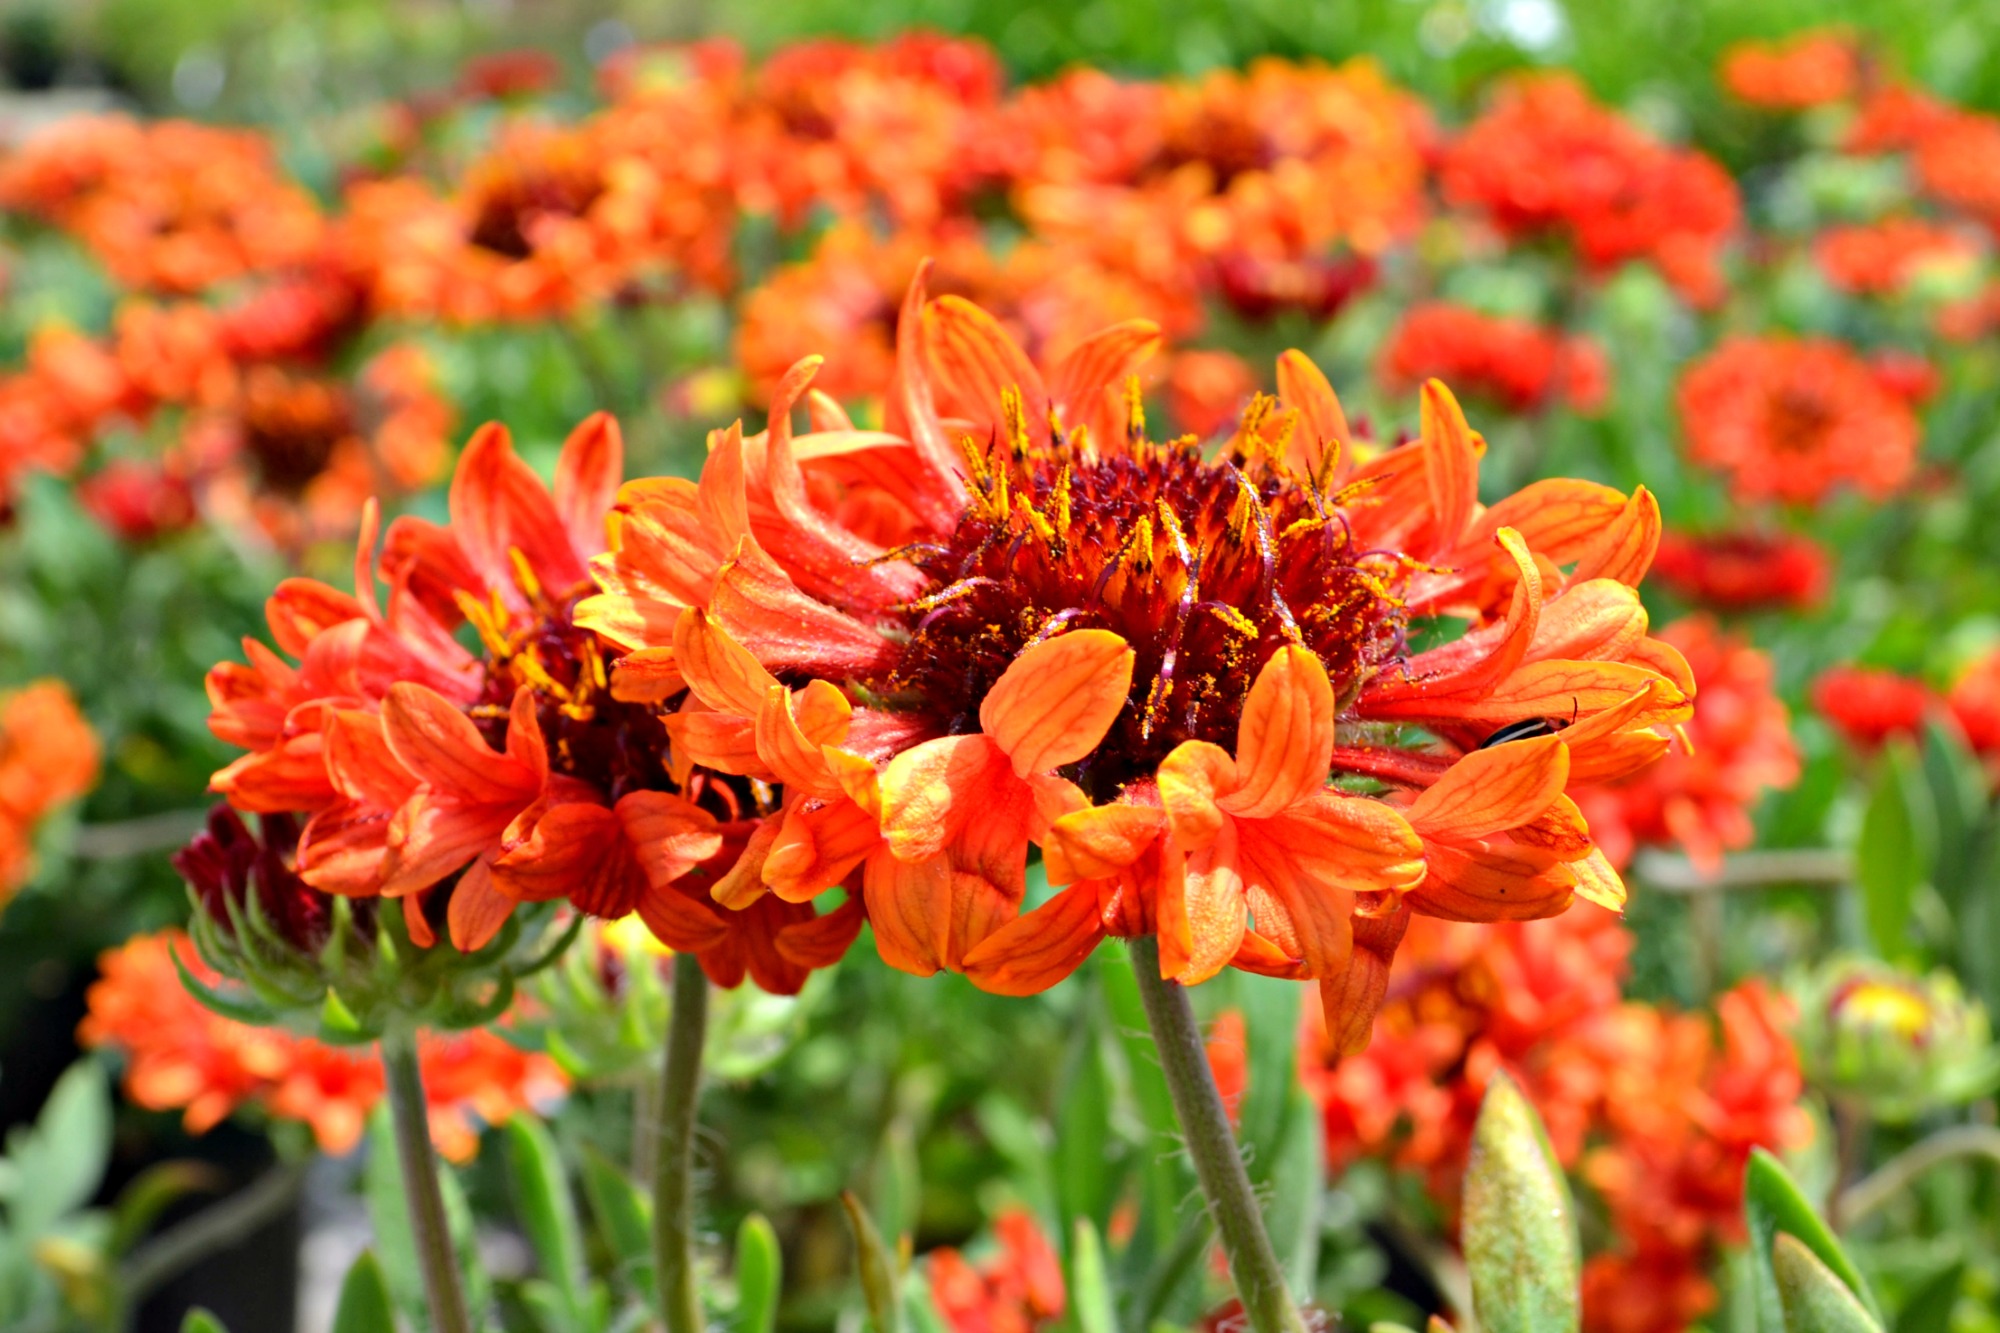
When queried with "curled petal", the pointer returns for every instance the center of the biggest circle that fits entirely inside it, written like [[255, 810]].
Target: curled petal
[[1285, 738], [1202, 911], [1035, 951], [824, 940], [1323, 424], [1351, 999], [929, 792], [587, 476], [1100, 841], [1491, 790], [477, 909], [1624, 549], [1056, 700], [722, 673], [1487, 883], [1192, 780], [1451, 463], [819, 844], [439, 744]]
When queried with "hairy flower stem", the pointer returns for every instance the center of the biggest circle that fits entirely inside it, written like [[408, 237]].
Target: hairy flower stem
[[673, 1179], [1218, 1163], [432, 1231]]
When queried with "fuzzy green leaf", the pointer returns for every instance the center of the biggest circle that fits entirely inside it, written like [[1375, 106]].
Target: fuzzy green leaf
[[1520, 1227]]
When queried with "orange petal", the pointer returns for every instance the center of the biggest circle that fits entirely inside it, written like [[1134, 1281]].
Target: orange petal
[[793, 727], [577, 851], [416, 922], [819, 844], [910, 907], [1491, 790], [1285, 738], [498, 505], [1102, 361], [1599, 620], [1056, 700], [681, 923], [766, 611], [587, 476], [1323, 425], [722, 672], [360, 763], [1100, 841], [1485, 883], [477, 909], [931, 790], [1351, 1000], [1625, 548], [432, 739], [824, 940], [1033, 952], [648, 676], [743, 884], [669, 836], [721, 741], [342, 848], [1598, 881], [976, 361], [912, 405], [1192, 780], [1451, 464], [1202, 911]]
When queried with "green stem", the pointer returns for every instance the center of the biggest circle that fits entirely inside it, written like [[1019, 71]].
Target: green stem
[[673, 1180], [1218, 1163], [432, 1231]]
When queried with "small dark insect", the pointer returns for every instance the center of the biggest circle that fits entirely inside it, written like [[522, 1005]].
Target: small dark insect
[[1528, 728]]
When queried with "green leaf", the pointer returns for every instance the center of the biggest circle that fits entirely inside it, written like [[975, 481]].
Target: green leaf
[[548, 1214], [199, 1320], [619, 1206], [759, 1271], [395, 1243], [1957, 789], [1773, 1204], [1294, 1182], [1089, 1290], [1519, 1232], [1888, 859], [1084, 1168], [364, 1306], [1929, 1307], [1812, 1298], [879, 1268], [60, 1160]]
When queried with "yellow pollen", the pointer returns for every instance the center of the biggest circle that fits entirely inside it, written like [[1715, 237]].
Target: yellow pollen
[[485, 623], [1135, 413], [1014, 417], [524, 576], [1060, 502]]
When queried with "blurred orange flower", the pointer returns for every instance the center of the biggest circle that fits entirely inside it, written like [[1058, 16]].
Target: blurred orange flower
[[1018, 1290], [1745, 570], [1546, 159], [48, 757], [183, 1057], [1792, 418], [1867, 705], [1881, 258], [1510, 362], [1808, 70]]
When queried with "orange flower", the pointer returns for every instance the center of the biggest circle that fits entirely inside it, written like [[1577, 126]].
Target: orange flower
[[1974, 701], [1895, 119], [1018, 1290], [48, 757], [1808, 70], [1790, 419], [1956, 161], [1545, 159], [167, 205], [1743, 570], [1880, 259], [181, 1056], [1867, 705], [1514, 363], [1739, 747], [1137, 656]]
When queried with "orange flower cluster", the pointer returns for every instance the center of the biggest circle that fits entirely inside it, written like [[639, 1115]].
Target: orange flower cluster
[[1881, 258], [1511, 362], [48, 757], [1868, 705], [1743, 570], [1791, 418], [1974, 700], [1809, 70], [183, 1057], [1739, 747], [1546, 160], [1656, 1112], [167, 206], [880, 661], [1018, 1290]]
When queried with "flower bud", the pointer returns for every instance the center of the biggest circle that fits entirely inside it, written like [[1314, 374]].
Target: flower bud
[[1894, 1043]]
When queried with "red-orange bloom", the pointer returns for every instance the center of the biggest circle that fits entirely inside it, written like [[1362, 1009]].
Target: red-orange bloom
[[1974, 701], [1791, 419], [1513, 363], [1018, 1290], [1138, 656], [1881, 258], [1958, 163], [182, 1057], [1808, 70], [1867, 705], [1739, 747], [1744, 570], [48, 757], [167, 205], [1546, 159]]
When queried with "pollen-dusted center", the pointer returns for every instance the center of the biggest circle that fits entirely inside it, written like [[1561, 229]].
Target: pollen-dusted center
[[1205, 567]]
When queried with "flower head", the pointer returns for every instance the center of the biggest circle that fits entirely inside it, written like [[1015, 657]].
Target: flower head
[[1791, 419], [1744, 570], [1896, 1043], [1145, 657], [1510, 362], [1868, 705], [48, 757], [1883, 258], [1808, 70], [1018, 1290]]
